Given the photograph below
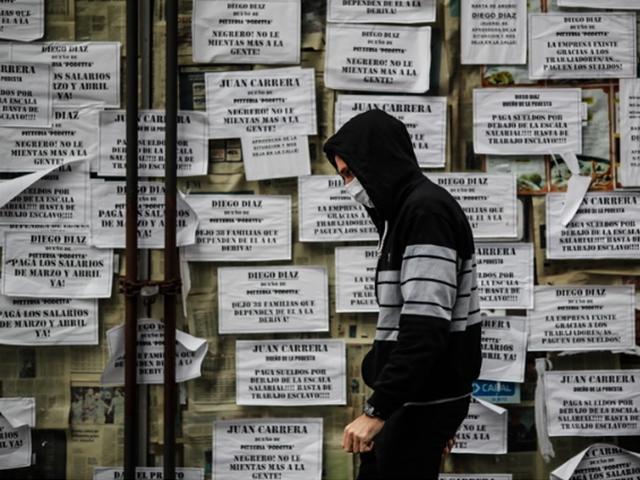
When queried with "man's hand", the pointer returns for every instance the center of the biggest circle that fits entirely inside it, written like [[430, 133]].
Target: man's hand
[[358, 435]]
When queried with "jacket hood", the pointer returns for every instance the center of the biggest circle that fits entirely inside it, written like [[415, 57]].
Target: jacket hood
[[378, 150]]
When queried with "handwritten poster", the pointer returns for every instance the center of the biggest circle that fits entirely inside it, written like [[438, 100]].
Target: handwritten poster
[[83, 72], [272, 299], [489, 201], [493, 32], [484, 430], [527, 121], [600, 460], [629, 171], [192, 145], [55, 264], [261, 102], [424, 117], [17, 418], [582, 318], [190, 352], [48, 321], [291, 372], [582, 45], [383, 58], [504, 349], [246, 31], [240, 228], [505, 274], [289, 448], [355, 279], [22, 20], [108, 210], [73, 135], [327, 213], [606, 225], [26, 94], [591, 403], [278, 156], [379, 11]]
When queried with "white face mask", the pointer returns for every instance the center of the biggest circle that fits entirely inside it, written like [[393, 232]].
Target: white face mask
[[358, 193]]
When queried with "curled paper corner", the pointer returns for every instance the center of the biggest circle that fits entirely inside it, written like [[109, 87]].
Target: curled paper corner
[[540, 409], [567, 469], [491, 406], [187, 366], [629, 351], [185, 278], [190, 229], [10, 189], [577, 188], [19, 411]]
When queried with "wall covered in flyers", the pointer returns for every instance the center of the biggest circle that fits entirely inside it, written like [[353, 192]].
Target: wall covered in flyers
[[278, 262]]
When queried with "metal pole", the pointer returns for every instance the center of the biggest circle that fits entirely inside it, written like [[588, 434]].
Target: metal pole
[[131, 308], [144, 265], [170, 248]]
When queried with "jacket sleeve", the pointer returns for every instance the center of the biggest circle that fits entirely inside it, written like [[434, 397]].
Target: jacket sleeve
[[428, 283]]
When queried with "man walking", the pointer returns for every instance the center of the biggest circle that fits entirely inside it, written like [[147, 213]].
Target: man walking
[[426, 351]]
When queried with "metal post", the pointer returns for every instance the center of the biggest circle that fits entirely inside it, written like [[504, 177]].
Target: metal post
[[144, 264], [171, 276], [131, 309]]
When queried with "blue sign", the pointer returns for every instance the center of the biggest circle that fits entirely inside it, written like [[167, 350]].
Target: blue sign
[[497, 392]]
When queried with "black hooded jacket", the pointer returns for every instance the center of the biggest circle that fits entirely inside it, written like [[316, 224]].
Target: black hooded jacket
[[427, 345]]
